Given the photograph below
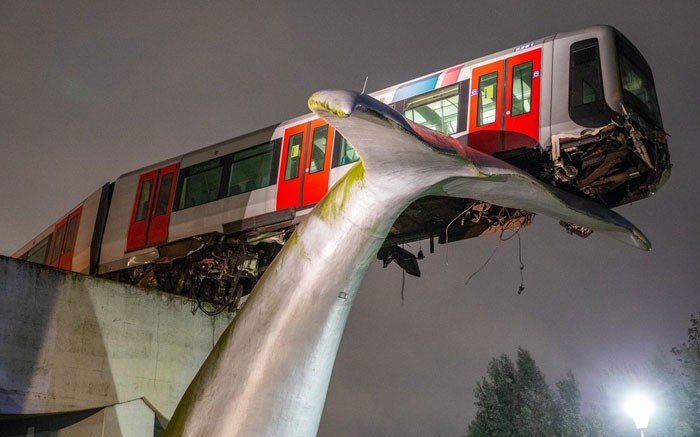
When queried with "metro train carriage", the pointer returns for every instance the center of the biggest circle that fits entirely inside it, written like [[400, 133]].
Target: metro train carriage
[[577, 110]]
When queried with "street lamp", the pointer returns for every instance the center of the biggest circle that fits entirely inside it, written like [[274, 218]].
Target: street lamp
[[640, 408]]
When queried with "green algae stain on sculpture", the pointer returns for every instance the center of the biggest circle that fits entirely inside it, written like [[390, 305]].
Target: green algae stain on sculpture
[[333, 205], [325, 105]]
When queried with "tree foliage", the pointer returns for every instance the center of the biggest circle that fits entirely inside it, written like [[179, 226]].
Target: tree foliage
[[514, 400], [677, 387], [688, 356]]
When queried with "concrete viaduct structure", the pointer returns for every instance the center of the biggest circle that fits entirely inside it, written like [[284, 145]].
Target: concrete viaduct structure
[[93, 357]]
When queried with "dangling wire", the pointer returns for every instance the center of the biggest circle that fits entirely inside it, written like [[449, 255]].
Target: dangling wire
[[403, 284], [516, 232], [521, 288], [447, 233], [483, 265]]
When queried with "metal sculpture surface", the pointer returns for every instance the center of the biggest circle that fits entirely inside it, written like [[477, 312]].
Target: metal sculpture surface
[[269, 373]]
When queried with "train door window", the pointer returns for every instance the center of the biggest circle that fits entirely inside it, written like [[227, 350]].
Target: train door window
[[522, 89], [56, 245], [488, 99], [166, 185], [144, 200], [65, 260], [318, 149], [437, 110], [71, 234], [38, 253], [201, 183], [293, 156]]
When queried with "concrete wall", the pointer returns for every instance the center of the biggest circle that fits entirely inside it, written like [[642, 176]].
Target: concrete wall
[[71, 342], [131, 419]]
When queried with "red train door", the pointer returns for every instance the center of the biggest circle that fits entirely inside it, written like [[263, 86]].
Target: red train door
[[486, 120], [318, 162], [66, 259], [153, 205], [63, 240], [505, 103], [59, 232], [523, 97], [305, 166]]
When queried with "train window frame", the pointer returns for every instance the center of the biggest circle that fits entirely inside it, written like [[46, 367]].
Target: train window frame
[[522, 99], [216, 164], [54, 254], [226, 164], [637, 65], [161, 206], [292, 167], [265, 179], [343, 151], [45, 245], [492, 78], [592, 113], [71, 234], [144, 201], [428, 100], [317, 160]]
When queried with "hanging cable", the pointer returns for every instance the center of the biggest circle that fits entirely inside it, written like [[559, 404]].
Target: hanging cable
[[483, 265], [506, 222], [447, 230], [521, 288]]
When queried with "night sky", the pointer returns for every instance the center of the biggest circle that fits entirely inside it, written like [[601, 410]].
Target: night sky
[[91, 90]]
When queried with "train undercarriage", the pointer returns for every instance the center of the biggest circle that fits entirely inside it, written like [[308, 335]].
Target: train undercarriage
[[620, 163]]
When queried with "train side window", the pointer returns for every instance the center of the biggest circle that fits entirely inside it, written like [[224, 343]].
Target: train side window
[[318, 149], [293, 157], [200, 183], [166, 184], [522, 89], [348, 154], [638, 91], [142, 210], [488, 97], [38, 253], [587, 105], [586, 79], [251, 169], [437, 110]]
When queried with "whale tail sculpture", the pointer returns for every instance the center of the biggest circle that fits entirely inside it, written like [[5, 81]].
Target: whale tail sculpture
[[269, 373]]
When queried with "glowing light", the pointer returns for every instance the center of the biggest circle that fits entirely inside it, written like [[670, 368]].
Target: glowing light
[[640, 408]]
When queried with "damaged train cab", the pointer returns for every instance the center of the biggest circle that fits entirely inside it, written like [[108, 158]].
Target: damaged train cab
[[577, 110]]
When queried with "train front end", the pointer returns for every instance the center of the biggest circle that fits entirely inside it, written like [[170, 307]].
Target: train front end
[[607, 138]]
